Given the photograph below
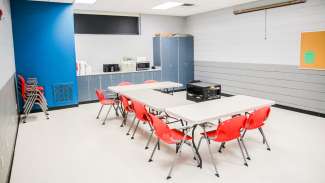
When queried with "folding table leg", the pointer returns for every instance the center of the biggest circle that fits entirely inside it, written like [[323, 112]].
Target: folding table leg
[[195, 155], [199, 144]]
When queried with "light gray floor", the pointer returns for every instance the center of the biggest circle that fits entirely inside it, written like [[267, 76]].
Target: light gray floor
[[73, 147]]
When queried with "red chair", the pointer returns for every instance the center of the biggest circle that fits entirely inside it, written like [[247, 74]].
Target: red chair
[[149, 81], [105, 102], [227, 131], [32, 94], [141, 114], [256, 120], [127, 108], [170, 136]]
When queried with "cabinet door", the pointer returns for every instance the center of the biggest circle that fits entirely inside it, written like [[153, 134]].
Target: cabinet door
[[106, 81], [169, 55], [156, 51], [116, 79], [157, 75], [94, 84], [148, 75], [127, 77], [83, 88], [138, 77], [186, 59]]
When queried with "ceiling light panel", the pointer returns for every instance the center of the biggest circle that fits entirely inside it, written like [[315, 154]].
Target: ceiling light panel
[[167, 5]]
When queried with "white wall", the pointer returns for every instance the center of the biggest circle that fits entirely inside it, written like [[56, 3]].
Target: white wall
[[221, 36], [101, 49], [7, 63]]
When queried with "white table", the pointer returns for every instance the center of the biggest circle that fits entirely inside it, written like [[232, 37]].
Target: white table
[[200, 113], [144, 86], [156, 100], [208, 111]]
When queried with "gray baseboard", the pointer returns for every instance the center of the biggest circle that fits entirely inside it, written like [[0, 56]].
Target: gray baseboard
[[8, 127]]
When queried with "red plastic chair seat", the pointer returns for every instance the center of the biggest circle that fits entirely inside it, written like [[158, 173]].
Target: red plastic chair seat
[[179, 135], [107, 102]]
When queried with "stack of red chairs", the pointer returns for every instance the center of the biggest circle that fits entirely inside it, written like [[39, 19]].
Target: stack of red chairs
[[32, 94]]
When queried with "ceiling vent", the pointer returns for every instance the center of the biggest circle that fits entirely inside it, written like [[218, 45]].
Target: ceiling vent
[[264, 6], [187, 4]]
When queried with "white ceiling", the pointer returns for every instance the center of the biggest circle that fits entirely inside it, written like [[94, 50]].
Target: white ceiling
[[145, 6]]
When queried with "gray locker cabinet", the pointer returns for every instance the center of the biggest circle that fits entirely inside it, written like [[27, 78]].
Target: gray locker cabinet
[[169, 58], [156, 51], [186, 60], [176, 56]]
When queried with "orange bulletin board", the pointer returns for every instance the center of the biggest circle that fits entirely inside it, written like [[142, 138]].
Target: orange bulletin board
[[312, 54]]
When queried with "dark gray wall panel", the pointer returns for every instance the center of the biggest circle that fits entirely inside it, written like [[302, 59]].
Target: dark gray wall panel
[[8, 127], [287, 85]]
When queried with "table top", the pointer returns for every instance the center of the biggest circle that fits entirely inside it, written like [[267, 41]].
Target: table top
[[156, 100], [156, 85], [215, 109]]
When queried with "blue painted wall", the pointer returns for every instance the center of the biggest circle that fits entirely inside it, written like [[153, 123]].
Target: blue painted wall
[[44, 45]]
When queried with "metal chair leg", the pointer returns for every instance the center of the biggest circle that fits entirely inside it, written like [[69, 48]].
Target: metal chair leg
[[264, 139], [149, 140], [175, 159], [243, 135], [210, 152], [153, 151], [100, 110], [242, 142], [125, 116], [212, 159], [136, 127], [133, 121], [221, 147], [242, 152], [109, 110]]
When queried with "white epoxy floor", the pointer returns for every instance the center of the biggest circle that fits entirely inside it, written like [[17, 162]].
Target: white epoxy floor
[[73, 147]]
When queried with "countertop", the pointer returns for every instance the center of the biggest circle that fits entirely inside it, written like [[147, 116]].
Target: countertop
[[120, 72]]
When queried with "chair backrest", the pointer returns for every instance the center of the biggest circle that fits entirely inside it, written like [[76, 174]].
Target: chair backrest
[[124, 83], [230, 129], [257, 118], [125, 103], [162, 131], [140, 110], [22, 86], [149, 81], [100, 94]]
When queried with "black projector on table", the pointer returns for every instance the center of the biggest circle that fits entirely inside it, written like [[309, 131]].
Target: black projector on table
[[198, 91]]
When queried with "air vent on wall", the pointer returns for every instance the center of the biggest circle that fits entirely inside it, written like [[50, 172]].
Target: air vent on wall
[[266, 6], [63, 93], [187, 4]]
